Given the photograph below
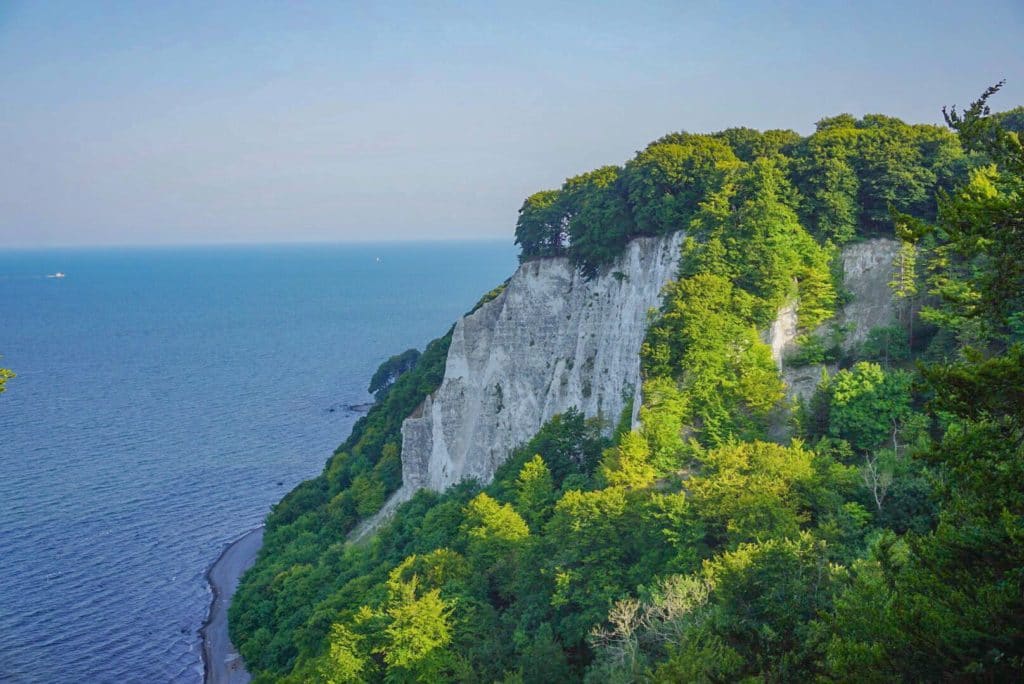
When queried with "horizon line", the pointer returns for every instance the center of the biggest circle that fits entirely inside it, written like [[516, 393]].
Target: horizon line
[[246, 243]]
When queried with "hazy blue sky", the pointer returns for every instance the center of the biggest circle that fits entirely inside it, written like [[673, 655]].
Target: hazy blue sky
[[171, 122]]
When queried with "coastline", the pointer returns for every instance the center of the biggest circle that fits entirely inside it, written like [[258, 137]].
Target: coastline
[[221, 662]]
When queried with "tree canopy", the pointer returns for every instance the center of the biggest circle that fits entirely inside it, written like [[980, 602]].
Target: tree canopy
[[392, 369], [840, 183]]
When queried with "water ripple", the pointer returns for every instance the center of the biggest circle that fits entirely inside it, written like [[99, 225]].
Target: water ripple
[[153, 415]]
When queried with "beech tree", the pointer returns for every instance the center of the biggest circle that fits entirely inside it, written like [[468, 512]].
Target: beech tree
[[343, 662], [668, 180], [542, 228], [418, 634], [535, 492], [391, 370], [599, 218], [496, 535], [868, 406]]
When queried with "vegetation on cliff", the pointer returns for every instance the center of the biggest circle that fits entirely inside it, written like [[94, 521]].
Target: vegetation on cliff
[[389, 371], [841, 182], [880, 541]]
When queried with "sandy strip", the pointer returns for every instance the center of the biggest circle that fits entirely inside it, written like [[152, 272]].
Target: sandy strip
[[221, 661]]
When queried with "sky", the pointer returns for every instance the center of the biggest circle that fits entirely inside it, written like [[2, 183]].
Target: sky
[[149, 123]]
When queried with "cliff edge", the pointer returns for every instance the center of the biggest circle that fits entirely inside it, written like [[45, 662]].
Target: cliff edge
[[551, 341]]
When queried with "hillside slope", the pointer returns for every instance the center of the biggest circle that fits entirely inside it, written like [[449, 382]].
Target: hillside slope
[[702, 544]]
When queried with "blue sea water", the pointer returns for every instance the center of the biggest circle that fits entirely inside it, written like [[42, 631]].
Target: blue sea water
[[165, 399]]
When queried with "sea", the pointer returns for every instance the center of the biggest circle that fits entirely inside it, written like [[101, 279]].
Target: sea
[[165, 399]]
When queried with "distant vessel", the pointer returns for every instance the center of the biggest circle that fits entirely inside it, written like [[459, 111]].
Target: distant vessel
[[58, 274]]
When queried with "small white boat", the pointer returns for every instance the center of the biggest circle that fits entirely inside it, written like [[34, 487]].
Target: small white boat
[[58, 274]]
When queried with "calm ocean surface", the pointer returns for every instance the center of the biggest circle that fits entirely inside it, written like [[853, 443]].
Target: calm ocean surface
[[165, 399]]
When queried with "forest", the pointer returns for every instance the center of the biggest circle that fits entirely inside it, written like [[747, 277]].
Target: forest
[[881, 539]]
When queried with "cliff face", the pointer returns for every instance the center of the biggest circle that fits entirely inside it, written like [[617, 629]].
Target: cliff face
[[868, 267], [552, 341], [549, 342]]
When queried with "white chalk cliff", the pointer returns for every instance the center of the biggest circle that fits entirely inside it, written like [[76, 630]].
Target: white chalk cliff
[[551, 341], [868, 267]]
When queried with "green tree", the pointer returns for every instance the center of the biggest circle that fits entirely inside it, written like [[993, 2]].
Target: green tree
[[494, 530], [588, 572], [535, 491], [1012, 120], [367, 493], [828, 183], [887, 345], [976, 271], [947, 604], [542, 659], [600, 222], [830, 204], [663, 423], [789, 255], [668, 180], [748, 144], [871, 409], [628, 464], [868, 406], [569, 443], [753, 490], [418, 634], [786, 263], [748, 614], [343, 663], [765, 598], [904, 280], [892, 172], [390, 370], [705, 338], [542, 229]]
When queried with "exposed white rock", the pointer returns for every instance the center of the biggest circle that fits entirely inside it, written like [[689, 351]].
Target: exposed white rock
[[868, 267], [550, 342], [782, 332], [553, 341]]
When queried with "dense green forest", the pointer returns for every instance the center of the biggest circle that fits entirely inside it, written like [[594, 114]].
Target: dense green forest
[[840, 182], [882, 539]]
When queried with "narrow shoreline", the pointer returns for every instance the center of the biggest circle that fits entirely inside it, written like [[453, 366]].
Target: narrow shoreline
[[221, 662]]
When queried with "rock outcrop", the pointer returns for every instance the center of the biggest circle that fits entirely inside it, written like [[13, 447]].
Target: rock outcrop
[[551, 341], [868, 268]]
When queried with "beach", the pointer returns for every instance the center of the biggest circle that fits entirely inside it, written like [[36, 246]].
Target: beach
[[221, 662]]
